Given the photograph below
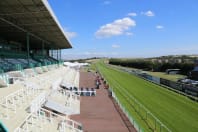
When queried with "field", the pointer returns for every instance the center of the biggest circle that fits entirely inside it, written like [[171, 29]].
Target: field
[[175, 111]]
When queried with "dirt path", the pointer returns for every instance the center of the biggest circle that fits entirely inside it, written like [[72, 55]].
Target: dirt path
[[99, 114]]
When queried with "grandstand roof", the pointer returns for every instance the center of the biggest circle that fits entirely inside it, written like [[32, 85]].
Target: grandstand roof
[[17, 17]]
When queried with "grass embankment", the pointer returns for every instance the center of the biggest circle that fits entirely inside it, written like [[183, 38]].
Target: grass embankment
[[177, 112]]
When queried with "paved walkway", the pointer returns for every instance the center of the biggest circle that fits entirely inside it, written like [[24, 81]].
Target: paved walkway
[[98, 114]]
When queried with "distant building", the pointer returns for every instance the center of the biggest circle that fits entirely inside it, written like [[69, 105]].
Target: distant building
[[194, 72]]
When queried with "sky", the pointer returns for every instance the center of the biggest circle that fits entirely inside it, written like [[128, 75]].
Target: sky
[[128, 28]]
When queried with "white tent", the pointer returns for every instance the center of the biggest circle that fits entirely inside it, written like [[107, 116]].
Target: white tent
[[75, 64]]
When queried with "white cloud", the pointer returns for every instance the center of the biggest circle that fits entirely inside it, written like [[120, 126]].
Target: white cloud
[[95, 53], [69, 34], [132, 14], [98, 54], [148, 13], [129, 33], [159, 27], [115, 46], [118, 27], [107, 2]]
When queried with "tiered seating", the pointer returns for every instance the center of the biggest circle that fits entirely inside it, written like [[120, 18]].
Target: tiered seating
[[9, 59], [12, 54], [23, 61], [39, 70], [67, 100], [3, 79], [12, 61], [14, 107], [30, 72], [32, 61], [71, 79], [50, 59], [6, 66], [44, 59], [20, 104]]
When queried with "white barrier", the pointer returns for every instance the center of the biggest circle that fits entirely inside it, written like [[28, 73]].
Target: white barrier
[[36, 103], [85, 93], [45, 116], [18, 97]]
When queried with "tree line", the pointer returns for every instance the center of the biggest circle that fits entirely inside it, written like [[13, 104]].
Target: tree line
[[148, 65]]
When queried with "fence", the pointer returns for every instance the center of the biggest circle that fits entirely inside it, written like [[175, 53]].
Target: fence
[[179, 88], [131, 119], [50, 117], [150, 120], [85, 93], [183, 89], [153, 122]]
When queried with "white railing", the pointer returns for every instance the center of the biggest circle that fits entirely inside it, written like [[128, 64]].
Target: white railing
[[85, 93], [17, 79], [4, 78], [67, 99], [69, 94], [36, 103], [63, 123], [23, 127], [18, 97], [56, 83], [29, 72]]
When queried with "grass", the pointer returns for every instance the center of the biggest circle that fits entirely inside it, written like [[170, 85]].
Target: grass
[[172, 77], [177, 112]]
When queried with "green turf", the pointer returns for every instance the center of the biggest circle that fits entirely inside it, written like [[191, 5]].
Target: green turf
[[172, 77], [177, 112]]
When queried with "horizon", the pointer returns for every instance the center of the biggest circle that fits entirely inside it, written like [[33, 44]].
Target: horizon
[[95, 57], [132, 29]]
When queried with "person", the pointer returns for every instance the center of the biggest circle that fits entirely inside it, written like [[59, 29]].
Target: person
[[107, 86], [109, 92]]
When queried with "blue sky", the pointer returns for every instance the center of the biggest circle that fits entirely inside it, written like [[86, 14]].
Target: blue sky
[[128, 28]]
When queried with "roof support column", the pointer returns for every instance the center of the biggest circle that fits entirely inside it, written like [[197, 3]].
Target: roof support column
[[28, 47], [57, 53], [43, 44], [60, 55], [51, 52]]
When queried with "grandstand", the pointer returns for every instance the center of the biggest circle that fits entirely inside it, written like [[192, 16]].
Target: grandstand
[[31, 70]]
